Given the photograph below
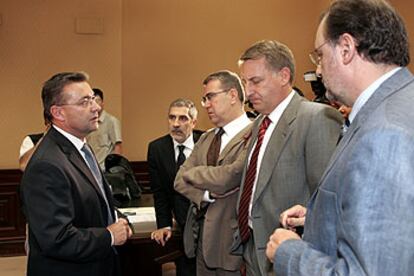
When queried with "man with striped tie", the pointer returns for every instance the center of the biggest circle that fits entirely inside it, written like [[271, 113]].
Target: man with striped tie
[[292, 141]]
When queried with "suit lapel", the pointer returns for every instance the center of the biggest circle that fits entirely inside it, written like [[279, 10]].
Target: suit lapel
[[168, 157], [240, 137], [396, 82], [76, 159], [276, 144]]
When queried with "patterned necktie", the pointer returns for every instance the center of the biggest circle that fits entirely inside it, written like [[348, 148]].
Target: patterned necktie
[[344, 128], [181, 156], [93, 166], [214, 149], [248, 183]]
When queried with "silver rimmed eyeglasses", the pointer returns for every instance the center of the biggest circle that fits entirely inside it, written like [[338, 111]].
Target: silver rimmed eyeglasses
[[315, 56], [84, 102], [210, 95]]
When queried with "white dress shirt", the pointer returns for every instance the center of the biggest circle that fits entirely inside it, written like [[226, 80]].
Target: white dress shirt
[[274, 116]]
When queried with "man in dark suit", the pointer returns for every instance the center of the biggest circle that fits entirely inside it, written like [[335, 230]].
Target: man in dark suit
[[292, 141], [68, 205], [360, 220], [165, 155]]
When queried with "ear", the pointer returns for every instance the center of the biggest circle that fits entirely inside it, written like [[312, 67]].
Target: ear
[[58, 113], [194, 122], [234, 95], [284, 74], [347, 48]]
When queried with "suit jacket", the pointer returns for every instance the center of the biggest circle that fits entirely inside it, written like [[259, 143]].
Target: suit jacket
[[361, 220], [162, 170], [293, 162], [66, 213], [194, 177]]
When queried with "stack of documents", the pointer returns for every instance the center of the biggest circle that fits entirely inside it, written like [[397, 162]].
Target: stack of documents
[[142, 218]]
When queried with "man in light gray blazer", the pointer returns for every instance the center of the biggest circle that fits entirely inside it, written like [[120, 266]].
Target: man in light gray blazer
[[294, 152], [213, 183], [360, 221]]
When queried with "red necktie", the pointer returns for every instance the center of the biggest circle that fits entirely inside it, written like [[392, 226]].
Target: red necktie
[[248, 183]]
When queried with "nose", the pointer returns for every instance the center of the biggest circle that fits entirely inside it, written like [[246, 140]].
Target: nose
[[176, 122], [248, 89], [207, 104], [96, 106], [318, 70]]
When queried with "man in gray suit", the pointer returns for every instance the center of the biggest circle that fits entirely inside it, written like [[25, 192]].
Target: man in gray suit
[[292, 141], [360, 221], [208, 177]]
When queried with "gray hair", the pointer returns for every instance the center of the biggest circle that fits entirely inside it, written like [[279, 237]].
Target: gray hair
[[180, 102]]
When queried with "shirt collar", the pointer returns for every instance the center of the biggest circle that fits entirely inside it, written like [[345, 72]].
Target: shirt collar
[[188, 143], [78, 143], [368, 92], [275, 115], [232, 128]]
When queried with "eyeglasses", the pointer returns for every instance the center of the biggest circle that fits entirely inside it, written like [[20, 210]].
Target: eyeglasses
[[84, 102], [315, 56], [210, 95]]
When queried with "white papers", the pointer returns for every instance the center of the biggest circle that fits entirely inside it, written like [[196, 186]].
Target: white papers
[[142, 218]]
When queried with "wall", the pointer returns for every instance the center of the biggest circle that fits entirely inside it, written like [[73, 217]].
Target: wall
[[38, 40]]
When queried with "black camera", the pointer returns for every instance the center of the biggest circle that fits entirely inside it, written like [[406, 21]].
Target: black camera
[[317, 87]]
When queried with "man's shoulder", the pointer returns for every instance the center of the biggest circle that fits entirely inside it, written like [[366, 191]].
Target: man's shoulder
[[108, 117], [160, 141], [309, 109], [197, 134]]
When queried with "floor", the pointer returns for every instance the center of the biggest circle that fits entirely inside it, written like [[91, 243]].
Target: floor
[[16, 266]]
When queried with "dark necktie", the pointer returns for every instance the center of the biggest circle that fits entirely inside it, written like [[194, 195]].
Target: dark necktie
[[344, 128], [248, 183], [93, 166], [181, 156], [214, 149]]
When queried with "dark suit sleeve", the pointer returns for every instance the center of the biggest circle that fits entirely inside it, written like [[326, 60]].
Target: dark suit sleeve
[[162, 204], [50, 210]]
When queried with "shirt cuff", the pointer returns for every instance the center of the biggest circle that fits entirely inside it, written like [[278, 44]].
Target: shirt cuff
[[112, 238], [207, 198]]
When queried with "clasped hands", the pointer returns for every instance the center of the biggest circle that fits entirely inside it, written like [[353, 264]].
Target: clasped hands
[[120, 231], [289, 219]]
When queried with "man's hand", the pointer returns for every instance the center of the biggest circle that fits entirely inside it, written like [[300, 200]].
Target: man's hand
[[293, 217], [161, 236], [120, 231], [280, 235]]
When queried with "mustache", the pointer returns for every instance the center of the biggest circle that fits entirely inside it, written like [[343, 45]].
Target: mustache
[[177, 131]]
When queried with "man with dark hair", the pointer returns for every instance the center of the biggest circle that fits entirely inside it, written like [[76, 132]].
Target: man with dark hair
[[107, 139], [292, 141], [360, 220], [68, 205], [208, 179], [165, 156]]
